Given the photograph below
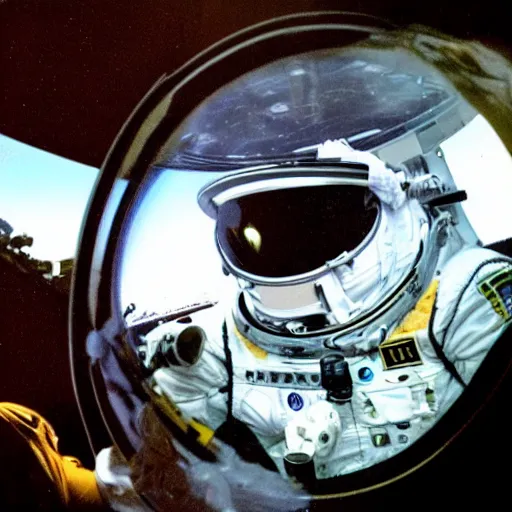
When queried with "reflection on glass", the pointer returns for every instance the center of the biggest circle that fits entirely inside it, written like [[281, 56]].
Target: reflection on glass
[[253, 237], [305, 266]]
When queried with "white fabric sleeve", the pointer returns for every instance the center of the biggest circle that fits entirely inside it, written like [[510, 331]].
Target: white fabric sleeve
[[195, 389], [198, 390], [382, 181], [466, 324], [114, 482]]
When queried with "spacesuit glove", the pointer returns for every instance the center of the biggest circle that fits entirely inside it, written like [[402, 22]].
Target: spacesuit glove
[[382, 181], [232, 484]]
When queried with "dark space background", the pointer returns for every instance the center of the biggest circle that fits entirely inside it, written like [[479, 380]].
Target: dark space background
[[71, 71]]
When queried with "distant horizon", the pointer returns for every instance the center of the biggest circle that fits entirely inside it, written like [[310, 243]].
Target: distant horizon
[[44, 196]]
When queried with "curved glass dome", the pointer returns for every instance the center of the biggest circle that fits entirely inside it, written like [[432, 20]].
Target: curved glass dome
[[287, 291], [365, 96]]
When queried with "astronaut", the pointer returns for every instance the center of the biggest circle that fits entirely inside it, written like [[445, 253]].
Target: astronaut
[[359, 318]]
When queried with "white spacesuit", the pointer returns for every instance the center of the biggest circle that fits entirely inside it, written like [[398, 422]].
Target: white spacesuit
[[338, 366]]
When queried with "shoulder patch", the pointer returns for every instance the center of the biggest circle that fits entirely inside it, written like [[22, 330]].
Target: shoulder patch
[[497, 289]]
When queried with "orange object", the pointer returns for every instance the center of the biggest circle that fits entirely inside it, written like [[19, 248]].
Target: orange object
[[38, 469]]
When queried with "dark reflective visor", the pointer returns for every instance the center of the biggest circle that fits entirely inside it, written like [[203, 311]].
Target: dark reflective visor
[[283, 233]]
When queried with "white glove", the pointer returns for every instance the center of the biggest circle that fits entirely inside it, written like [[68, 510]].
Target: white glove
[[382, 181], [315, 430]]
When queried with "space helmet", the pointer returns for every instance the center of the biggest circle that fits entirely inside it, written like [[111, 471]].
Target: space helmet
[[311, 148], [328, 249]]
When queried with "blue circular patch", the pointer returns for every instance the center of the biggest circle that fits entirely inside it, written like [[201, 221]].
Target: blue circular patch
[[365, 374], [295, 401]]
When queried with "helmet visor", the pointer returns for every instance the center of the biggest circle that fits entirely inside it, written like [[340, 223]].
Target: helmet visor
[[283, 233]]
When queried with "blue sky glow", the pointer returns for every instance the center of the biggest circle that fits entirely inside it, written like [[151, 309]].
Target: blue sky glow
[[45, 196]]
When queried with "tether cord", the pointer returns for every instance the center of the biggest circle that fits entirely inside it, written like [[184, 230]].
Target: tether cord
[[450, 367], [229, 369]]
